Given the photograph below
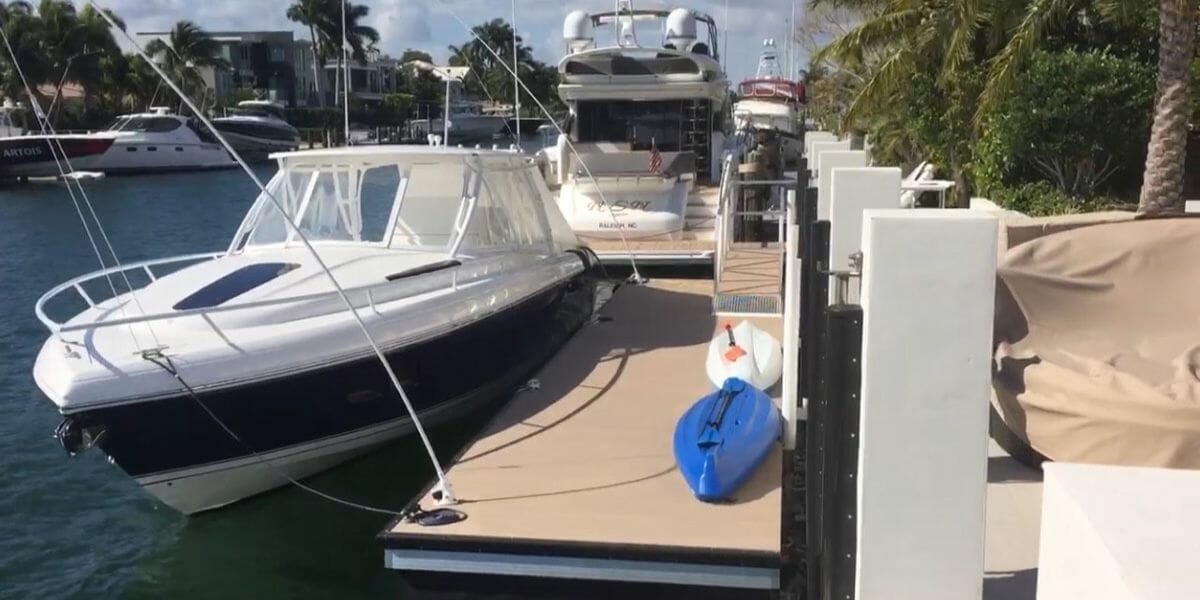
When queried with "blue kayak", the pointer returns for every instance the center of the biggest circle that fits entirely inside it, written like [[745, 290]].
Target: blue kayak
[[722, 438]]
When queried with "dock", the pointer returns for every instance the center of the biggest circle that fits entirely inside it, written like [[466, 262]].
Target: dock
[[577, 479]]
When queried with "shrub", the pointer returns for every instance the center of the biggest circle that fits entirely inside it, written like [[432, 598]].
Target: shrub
[[1043, 198], [1080, 120]]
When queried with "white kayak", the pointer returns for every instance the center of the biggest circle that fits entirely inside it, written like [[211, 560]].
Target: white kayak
[[745, 352]]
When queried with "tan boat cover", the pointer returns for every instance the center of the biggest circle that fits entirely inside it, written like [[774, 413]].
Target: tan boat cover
[[1098, 341]]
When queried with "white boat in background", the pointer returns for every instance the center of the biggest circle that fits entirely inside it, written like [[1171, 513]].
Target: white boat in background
[[470, 123], [649, 124], [771, 102], [458, 263], [25, 155], [159, 141], [258, 128]]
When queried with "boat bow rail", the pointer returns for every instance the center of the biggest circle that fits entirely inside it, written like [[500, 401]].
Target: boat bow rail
[[455, 276]]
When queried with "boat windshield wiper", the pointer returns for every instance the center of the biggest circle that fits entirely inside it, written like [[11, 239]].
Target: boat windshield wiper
[[423, 269]]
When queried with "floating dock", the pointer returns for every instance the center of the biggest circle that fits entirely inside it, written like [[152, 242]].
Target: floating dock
[[576, 480]]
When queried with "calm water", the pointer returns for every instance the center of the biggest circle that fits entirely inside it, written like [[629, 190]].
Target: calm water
[[78, 527]]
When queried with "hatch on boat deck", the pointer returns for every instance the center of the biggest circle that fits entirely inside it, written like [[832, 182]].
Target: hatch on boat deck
[[576, 480]]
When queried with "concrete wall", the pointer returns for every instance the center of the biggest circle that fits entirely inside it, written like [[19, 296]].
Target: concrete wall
[[852, 191], [928, 298], [828, 161], [1119, 533], [819, 148], [813, 137]]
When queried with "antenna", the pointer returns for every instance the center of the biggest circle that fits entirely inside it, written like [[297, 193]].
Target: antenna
[[725, 34], [346, 75], [516, 76], [624, 26]]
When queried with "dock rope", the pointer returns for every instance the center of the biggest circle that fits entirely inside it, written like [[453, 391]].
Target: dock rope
[[165, 363], [443, 488], [636, 278]]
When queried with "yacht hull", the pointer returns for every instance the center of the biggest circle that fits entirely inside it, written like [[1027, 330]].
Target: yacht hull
[[309, 421], [34, 155]]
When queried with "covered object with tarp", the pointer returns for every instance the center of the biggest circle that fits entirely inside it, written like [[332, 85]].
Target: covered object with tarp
[[1098, 343]]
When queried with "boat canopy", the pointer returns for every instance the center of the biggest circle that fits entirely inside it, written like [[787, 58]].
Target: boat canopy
[[446, 201]]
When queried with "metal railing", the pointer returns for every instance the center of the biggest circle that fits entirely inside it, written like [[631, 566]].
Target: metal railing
[[364, 296]]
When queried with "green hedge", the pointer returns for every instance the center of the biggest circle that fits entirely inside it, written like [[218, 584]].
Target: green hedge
[[1043, 198], [1080, 120]]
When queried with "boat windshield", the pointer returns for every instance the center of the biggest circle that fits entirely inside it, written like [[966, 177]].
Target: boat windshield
[[438, 206], [147, 124]]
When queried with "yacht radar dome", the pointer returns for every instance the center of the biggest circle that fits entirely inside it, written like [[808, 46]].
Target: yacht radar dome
[[577, 31], [681, 28], [160, 110]]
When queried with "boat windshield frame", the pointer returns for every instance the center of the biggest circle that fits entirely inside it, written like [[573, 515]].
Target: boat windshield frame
[[347, 175]]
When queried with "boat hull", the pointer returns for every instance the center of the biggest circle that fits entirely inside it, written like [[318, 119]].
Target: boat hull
[[722, 439], [34, 155], [257, 146], [309, 421]]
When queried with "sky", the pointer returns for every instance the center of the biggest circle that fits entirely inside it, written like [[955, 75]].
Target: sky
[[430, 25]]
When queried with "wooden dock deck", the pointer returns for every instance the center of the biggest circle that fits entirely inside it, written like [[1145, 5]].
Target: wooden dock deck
[[577, 479]]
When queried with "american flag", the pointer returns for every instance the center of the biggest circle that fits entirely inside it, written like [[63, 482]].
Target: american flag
[[656, 159]]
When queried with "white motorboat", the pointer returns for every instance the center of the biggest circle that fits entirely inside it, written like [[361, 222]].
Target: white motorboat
[[648, 123], [258, 127], [469, 124], [457, 261], [160, 141], [772, 103], [31, 155]]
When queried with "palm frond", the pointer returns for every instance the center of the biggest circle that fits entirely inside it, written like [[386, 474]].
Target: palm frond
[[888, 79], [876, 35], [1005, 66]]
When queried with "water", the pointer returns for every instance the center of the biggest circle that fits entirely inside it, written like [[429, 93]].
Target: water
[[78, 527]]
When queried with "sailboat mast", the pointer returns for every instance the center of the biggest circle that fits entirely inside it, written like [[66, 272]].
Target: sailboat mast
[[346, 75], [516, 76]]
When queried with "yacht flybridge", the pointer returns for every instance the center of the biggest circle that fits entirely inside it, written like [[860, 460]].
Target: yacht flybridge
[[648, 118], [457, 262], [772, 103]]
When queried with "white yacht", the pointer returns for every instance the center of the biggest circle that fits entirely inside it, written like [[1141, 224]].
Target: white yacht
[[469, 124], [258, 127], [772, 102], [457, 262], [31, 155], [160, 141], [649, 116]]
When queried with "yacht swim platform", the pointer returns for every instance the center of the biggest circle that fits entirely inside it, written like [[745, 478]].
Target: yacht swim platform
[[577, 480]]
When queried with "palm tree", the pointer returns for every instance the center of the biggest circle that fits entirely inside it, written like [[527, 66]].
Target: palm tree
[[358, 37], [313, 14], [1162, 182], [187, 47], [492, 76], [20, 26]]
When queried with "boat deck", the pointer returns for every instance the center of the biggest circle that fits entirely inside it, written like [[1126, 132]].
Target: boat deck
[[577, 479]]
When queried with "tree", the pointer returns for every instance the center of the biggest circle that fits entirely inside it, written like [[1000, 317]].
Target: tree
[[491, 76], [359, 37], [186, 48], [20, 26], [312, 13], [1162, 183]]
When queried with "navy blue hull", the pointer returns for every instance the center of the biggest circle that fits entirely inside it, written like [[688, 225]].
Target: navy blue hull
[[489, 357]]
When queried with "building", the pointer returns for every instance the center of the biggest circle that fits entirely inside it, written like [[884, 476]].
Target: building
[[260, 60], [369, 83]]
